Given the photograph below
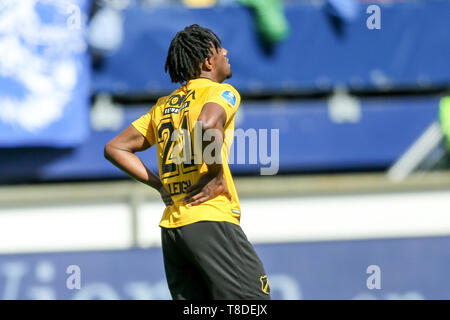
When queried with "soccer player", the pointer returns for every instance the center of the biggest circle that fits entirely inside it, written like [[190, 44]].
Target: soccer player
[[206, 253]]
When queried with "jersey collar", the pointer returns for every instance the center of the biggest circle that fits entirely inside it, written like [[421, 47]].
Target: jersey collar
[[198, 82]]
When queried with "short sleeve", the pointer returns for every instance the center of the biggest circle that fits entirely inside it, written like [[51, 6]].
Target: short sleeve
[[226, 96], [145, 126]]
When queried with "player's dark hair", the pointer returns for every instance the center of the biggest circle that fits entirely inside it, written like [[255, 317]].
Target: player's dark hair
[[188, 50]]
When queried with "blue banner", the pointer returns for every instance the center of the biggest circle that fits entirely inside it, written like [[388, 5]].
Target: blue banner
[[409, 50], [44, 73], [413, 268]]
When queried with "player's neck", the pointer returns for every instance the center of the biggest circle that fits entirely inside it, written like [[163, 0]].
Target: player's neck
[[209, 76]]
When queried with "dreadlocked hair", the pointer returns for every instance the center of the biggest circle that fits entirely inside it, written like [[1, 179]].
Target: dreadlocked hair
[[188, 50]]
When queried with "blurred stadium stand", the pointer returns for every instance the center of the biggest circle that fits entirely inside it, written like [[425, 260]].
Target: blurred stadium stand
[[395, 76], [316, 57], [346, 100], [312, 136]]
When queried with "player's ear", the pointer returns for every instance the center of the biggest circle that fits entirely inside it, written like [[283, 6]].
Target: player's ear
[[207, 64]]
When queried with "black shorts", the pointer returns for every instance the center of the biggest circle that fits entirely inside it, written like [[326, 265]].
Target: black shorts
[[212, 260]]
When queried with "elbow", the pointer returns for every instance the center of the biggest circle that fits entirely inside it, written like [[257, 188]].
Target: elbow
[[108, 151], [113, 149], [206, 124]]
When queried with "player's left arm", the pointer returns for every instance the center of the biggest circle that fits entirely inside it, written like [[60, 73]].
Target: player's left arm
[[212, 182]]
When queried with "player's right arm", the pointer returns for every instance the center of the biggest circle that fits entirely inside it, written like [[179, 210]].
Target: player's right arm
[[121, 152]]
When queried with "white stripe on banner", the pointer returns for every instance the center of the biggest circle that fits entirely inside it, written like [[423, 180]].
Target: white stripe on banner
[[269, 220]]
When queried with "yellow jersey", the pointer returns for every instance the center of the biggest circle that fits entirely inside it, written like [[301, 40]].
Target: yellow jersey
[[180, 110]]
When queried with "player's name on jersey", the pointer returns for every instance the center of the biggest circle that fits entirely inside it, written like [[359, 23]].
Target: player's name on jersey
[[178, 187]]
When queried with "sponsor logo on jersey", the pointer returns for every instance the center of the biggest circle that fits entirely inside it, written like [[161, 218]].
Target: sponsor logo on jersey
[[178, 100], [229, 97]]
